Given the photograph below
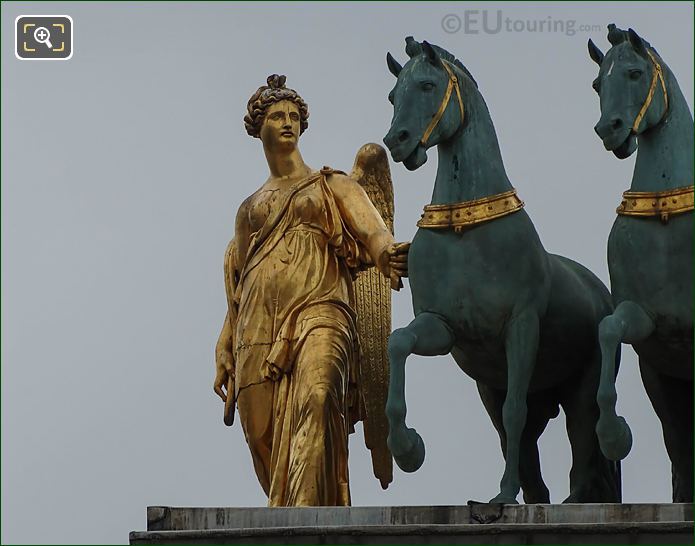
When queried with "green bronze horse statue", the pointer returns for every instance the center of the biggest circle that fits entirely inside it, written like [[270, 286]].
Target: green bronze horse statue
[[650, 248], [520, 321]]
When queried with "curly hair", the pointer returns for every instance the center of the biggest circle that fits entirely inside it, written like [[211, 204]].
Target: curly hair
[[269, 94]]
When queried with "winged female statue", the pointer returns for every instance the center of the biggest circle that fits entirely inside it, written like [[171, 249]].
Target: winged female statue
[[302, 352]]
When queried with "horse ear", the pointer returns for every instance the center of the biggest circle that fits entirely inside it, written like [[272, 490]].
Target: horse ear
[[432, 56], [595, 53], [615, 35], [637, 43], [394, 66]]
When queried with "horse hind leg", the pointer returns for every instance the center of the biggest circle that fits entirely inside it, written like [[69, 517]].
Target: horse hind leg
[[629, 323], [427, 335], [521, 345], [593, 478]]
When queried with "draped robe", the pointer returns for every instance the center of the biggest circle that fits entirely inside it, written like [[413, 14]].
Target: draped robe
[[296, 347]]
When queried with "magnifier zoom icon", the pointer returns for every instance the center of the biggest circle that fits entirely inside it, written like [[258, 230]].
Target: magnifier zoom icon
[[43, 36]]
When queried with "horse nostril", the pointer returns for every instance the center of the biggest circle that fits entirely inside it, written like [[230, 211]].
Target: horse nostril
[[403, 136], [609, 126]]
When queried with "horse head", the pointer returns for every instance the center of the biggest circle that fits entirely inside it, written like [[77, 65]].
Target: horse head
[[631, 85], [428, 101]]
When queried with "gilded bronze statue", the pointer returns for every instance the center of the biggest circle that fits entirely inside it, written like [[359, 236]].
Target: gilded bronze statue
[[650, 248], [521, 321], [302, 352]]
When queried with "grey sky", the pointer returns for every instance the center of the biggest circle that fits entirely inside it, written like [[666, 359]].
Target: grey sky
[[122, 169]]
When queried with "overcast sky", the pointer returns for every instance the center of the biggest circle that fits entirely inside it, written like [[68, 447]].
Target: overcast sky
[[122, 170]]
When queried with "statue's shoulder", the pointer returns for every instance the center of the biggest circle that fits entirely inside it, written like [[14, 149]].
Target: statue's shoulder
[[332, 174], [244, 210], [245, 205], [255, 196], [338, 180]]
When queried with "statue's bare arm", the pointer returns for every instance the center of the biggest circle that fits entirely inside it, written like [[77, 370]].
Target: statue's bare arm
[[224, 351], [368, 226], [242, 231]]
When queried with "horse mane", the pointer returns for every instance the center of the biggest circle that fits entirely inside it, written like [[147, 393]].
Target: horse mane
[[444, 54], [618, 35], [413, 48]]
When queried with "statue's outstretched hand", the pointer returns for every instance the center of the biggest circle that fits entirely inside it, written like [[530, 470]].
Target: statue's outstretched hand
[[398, 263]]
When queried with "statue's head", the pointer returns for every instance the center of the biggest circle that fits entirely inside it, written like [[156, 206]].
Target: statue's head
[[632, 89], [276, 114]]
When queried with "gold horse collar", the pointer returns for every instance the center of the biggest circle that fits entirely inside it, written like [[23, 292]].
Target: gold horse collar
[[458, 216], [657, 203]]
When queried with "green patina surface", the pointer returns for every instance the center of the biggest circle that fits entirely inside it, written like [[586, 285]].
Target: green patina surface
[[650, 261], [520, 321]]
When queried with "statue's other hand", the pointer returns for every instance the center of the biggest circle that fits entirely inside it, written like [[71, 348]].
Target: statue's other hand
[[224, 369], [397, 263]]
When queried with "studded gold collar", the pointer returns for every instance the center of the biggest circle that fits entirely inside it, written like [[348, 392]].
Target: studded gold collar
[[458, 216], [657, 203]]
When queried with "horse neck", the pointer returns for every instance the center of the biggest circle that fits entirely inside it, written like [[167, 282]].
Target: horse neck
[[665, 151], [470, 163]]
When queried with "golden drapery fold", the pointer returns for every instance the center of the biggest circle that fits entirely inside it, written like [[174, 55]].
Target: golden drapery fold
[[296, 347]]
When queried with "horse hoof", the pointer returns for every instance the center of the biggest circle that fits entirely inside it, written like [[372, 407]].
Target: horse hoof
[[504, 499], [409, 452], [615, 437]]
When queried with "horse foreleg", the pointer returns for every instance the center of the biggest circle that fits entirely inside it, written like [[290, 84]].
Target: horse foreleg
[[541, 409], [629, 323], [427, 335], [521, 345]]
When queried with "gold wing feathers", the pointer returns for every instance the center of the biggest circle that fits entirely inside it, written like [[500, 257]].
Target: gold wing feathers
[[373, 306]]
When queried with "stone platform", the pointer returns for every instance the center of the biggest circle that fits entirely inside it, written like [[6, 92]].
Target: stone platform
[[472, 524]]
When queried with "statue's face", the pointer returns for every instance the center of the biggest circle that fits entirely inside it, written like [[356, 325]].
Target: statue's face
[[281, 125]]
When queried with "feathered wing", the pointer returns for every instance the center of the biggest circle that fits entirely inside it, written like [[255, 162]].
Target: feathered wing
[[373, 306]]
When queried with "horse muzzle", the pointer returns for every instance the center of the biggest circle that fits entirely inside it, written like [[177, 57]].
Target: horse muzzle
[[404, 149], [617, 136]]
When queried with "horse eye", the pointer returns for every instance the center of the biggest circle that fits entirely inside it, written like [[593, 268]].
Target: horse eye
[[427, 86], [391, 97], [596, 85], [635, 74]]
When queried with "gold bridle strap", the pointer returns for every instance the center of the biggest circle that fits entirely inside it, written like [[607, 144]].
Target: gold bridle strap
[[657, 203], [457, 216], [453, 84], [657, 75]]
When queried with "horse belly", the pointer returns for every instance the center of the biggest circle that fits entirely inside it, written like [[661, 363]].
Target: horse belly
[[484, 362]]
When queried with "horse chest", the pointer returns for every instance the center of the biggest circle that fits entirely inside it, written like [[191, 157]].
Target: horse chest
[[652, 264], [466, 278]]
